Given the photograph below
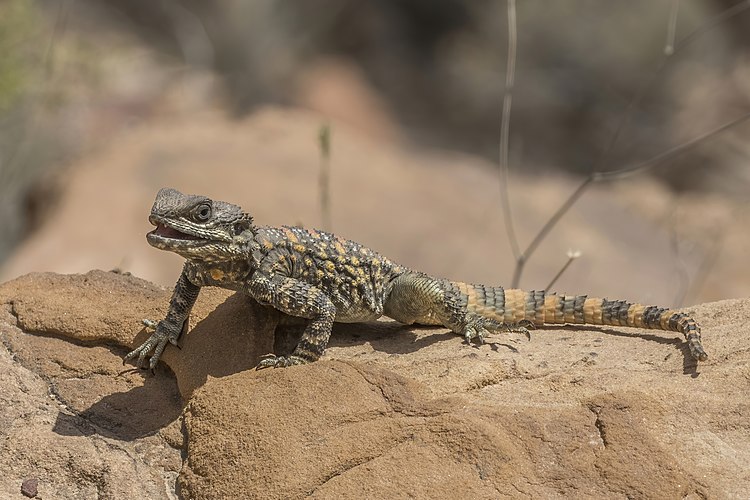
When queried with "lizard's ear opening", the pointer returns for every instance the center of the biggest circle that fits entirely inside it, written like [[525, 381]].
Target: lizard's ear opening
[[242, 226]]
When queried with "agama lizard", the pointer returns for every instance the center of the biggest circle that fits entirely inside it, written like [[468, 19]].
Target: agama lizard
[[323, 278]]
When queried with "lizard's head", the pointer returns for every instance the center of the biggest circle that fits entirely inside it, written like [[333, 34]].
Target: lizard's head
[[197, 227]]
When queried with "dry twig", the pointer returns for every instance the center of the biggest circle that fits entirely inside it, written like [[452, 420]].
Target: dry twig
[[598, 174]]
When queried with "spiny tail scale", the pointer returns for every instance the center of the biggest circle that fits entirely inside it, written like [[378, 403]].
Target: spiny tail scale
[[513, 307]]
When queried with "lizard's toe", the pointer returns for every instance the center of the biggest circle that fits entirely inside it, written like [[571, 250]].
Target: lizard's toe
[[138, 354], [149, 323], [469, 333], [266, 361], [475, 332], [129, 356], [157, 353], [478, 328], [273, 361], [522, 327], [481, 334], [135, 354], [153, 347]]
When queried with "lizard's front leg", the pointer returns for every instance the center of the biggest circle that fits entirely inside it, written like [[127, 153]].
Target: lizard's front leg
[[301, 299], [170, 328]]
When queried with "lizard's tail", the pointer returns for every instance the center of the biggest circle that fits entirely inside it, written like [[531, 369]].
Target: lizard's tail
[[513, 306]]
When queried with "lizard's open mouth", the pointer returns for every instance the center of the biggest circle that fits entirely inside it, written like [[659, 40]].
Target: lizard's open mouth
[[169, 232]]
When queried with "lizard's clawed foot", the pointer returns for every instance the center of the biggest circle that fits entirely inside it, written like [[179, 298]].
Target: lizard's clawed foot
[[153, 346], [479, 328], [274, 361], [472, 332], [522, 326]]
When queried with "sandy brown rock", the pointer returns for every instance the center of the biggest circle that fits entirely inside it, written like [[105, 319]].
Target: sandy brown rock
[[96, 427], [71, 421], [391, 411], [109, 308], [388, 439]]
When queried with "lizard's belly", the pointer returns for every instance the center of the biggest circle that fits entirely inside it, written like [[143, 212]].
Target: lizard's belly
[[353, 306], [354, 314]]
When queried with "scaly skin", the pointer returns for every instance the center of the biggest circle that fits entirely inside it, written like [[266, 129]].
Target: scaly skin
[[323, 278]]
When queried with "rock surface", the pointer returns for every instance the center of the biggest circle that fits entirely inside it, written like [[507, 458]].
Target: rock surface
[[390, 411]]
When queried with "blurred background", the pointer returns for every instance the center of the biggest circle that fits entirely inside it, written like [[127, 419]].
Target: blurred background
[[104, 102]]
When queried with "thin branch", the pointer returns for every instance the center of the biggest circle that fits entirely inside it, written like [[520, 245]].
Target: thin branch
[[707, 264], [609, 176], [572, 255], [324, 141], [715, 21], [679, 265], [597, 174], [546, 228], [672, 28], [668, 154], [510, 75], [59, 28], [677, 49], [711, 256]]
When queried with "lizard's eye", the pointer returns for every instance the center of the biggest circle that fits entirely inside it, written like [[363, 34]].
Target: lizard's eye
[[203, 213]]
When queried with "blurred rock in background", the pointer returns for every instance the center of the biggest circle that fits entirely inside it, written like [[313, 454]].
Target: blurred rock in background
[[439, 66], [76, 75]]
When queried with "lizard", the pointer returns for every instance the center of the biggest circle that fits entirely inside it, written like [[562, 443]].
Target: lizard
[[323, 278]]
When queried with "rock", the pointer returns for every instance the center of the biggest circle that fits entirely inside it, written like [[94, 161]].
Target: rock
[[390, 411], [29, 487]]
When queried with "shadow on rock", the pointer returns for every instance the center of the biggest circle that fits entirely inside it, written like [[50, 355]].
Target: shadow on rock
[[230, 339], [141, 411], [690, 366], [389, 337]]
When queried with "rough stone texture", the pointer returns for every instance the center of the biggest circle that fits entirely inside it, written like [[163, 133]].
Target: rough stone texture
[[108, 311], [72, 419], [390, 411]]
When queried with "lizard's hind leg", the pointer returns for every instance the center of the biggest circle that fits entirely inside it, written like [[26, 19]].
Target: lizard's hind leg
[[468, 310]]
